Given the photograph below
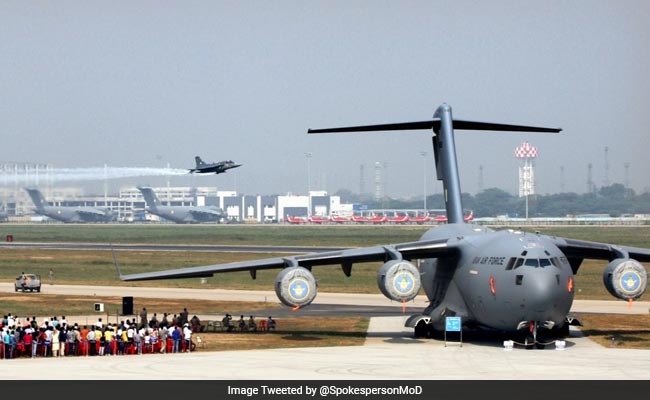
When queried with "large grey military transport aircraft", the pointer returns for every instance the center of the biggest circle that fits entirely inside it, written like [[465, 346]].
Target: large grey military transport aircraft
[[510, 281], [217, 167], [69, 214], [180, 214]]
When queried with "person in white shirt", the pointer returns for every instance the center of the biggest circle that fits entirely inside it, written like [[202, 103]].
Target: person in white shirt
[[187, 336]]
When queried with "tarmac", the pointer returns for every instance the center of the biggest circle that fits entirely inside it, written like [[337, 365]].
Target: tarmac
[[389, 353]]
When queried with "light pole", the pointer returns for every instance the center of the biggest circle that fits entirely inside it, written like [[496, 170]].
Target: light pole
[[308, 156], [424, 185]]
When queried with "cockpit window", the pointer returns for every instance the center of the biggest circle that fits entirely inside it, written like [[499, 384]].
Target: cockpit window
[[532, 262], [544, 262], [519, 262], [556, 262]]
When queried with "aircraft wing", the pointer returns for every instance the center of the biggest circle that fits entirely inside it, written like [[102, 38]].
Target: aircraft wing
[[345, 258], [574, 248]]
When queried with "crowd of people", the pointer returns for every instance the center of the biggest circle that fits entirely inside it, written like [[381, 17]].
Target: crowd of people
[[54, 337], [247, 326]]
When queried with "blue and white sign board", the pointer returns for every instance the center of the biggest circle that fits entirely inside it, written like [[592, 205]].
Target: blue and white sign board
[[453, 324]]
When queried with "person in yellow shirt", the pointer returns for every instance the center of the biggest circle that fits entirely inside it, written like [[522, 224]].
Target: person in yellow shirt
[[99, 341], [108, 337]]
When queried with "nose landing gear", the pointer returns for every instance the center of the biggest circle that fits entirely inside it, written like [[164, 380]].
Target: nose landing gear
[[531, 335]]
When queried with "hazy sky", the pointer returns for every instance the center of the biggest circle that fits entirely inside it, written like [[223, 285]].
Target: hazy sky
[[143, 84]]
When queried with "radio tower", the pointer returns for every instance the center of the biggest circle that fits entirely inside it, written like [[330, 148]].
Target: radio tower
[[379, 183], [362, 181], [480, 178], [606, 182], [590, 182], [527, 154]]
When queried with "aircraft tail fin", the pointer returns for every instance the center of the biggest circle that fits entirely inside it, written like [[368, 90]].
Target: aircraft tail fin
[[149, 197], [199, 162], [444, 148], [37, 198]]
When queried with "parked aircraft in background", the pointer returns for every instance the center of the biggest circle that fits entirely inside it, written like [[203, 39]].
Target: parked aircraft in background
[[378, 219], [421, 219], [442, 219], [180, 214], [469, 217], [510, 281], [339, 219], [399, 219], [359, 218], [216, 167], [69, 214], [296, 220], [315, 219]]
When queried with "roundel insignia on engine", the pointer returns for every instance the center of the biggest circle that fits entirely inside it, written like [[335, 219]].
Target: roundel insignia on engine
[[399, 280], [298, 289], [625, 278], [404, 283], [630, 281]]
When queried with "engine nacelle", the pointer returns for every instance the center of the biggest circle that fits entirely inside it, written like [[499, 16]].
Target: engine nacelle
[[399, 280], [295, 286], [625, 278]]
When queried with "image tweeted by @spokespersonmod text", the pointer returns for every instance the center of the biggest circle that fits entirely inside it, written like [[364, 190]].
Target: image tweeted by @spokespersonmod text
[[325, 390]]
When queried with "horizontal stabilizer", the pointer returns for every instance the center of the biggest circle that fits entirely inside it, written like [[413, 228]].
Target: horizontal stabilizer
[[435, 125], [405, 126]]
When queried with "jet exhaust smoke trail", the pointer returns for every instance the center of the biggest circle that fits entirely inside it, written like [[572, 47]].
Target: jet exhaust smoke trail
[[84, 174]]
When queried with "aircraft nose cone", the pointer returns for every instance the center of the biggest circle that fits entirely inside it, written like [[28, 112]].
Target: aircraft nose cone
[[547, 297]]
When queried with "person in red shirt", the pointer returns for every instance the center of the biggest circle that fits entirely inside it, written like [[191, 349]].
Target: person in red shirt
[[27, 341], [83, 342]]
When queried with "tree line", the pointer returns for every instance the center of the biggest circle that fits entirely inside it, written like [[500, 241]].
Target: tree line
[[615, 200]]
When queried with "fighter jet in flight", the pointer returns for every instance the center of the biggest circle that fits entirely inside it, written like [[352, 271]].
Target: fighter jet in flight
[[217, 167], [510, 281]]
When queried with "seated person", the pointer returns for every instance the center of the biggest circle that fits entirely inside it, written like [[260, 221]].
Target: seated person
[[195, 324], [242, 324], [226, 322], [252, 326], [270, 324]]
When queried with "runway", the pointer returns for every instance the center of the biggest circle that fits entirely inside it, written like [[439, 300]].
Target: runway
[[167, 247], [389, 353]]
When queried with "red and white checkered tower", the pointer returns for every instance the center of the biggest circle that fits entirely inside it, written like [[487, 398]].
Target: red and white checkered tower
[[527, 153]]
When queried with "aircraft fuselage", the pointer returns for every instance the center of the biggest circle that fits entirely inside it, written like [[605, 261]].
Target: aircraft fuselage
[[75, 214], [187, 214], [503, 280]]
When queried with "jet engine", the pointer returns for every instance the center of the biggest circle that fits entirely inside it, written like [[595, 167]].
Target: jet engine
[[399, 280], [625, 278], [295, 286]]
